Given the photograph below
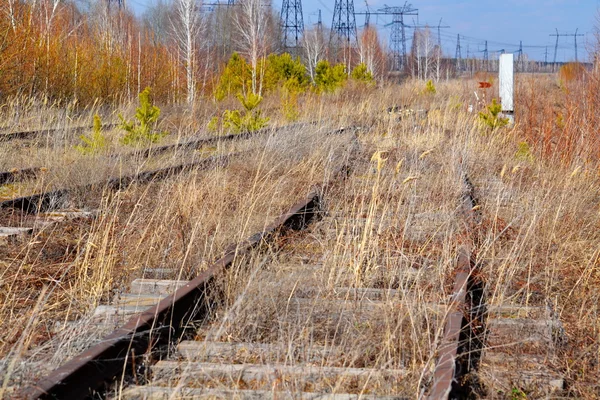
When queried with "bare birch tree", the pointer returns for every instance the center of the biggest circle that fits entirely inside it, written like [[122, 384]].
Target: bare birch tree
[[370, 52], [11, 14], [187, 26], [251, 22], [314, 46], [423, 53]]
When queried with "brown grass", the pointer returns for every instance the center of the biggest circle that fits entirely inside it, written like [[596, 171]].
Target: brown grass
[[538, 239]]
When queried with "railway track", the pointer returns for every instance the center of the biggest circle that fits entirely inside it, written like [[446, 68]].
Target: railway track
[[381, 296], [45, 201], [30, 174], [34, 134], [370, 287], [16, 175]]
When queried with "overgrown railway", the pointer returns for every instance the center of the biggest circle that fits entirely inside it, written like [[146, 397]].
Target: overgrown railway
[[362, 290]]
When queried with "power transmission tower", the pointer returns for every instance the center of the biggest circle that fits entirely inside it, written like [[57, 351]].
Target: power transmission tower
[[292, 23], [558, 35], [119, 3], [398, 33], [439, 29], [320, 22], [458, 53], [486, 57], [344, 21], [520, 58], [367, 15], [555, 48], [575, 35]]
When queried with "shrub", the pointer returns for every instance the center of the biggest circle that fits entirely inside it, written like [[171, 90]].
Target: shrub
[[283, 69], [143, 131], [360, 73], [235, 78], [491, 117], [250, 120], [289, 107], [213, 124], [430, 87], [328, 78], [96, 142], [524, 152]]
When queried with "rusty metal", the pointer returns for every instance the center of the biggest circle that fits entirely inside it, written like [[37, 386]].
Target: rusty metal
[[18, 175], [89, 371], [461, 345], [45, 201], [206, 141], [6, 137], [444, 378], [96, 367]]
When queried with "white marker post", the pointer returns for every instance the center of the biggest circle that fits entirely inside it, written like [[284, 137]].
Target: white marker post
[[506, 83]]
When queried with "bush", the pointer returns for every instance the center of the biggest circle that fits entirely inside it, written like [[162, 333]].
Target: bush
[[430, 87], [360, 73], [328, 78], [96, 142], [236, 78], [524, 153], [147, 115], [283, 69], [289, 107], [491, 117], [248, 120]]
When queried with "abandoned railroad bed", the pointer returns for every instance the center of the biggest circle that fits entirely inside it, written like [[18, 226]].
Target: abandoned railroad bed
[[34, 189], [371, 286], [361, 290]]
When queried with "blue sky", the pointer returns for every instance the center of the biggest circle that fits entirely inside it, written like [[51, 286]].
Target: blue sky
[[502, 22]]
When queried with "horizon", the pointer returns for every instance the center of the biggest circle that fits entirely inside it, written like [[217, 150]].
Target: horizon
[[527, 21]]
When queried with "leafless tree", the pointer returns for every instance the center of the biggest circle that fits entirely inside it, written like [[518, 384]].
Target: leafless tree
[[11, 14], [423, 54], [370, 51], [252, 25], [187, 26], [314, 46], [158, 19]]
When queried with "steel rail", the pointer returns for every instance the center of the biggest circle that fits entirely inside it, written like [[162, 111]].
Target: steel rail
[[18, 175], [22, 135], [157, 325], [207, 141], [44, 201], [461, 344], [31, 173]]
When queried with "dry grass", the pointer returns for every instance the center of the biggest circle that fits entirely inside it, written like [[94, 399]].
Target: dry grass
[[538, 240]]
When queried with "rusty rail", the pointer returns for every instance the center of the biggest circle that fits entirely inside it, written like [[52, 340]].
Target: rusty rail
[[157, 325], [461, 345], [6, 137], [47, 200], [90, 371], [18, 175], [206, 141]]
